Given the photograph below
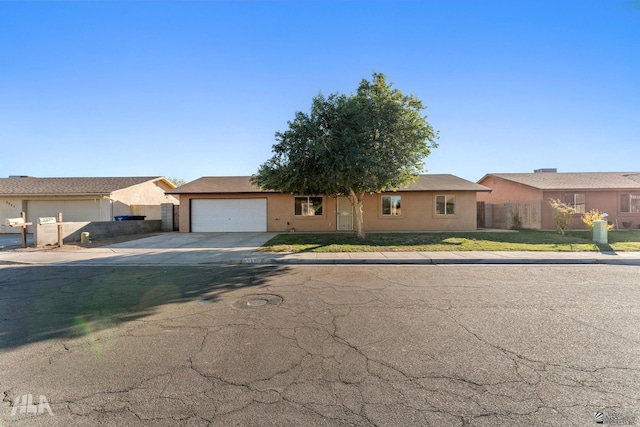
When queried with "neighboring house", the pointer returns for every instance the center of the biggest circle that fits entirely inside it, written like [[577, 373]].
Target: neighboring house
[[614, 193], [82, 199], [221, 204]]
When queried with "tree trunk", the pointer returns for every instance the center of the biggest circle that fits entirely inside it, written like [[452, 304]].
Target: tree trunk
[[356, 201]]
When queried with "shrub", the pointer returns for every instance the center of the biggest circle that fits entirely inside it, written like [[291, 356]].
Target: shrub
[[594, 215], [562, 215]]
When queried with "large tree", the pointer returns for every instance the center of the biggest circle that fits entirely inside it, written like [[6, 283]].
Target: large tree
[[372, 141]]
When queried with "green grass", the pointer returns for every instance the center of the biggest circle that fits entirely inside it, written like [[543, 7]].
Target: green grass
[[523, 240]]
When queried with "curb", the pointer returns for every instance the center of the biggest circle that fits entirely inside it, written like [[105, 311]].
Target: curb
[[427, 261]]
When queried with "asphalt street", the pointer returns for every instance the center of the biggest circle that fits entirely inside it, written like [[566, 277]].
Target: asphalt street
[[287, 345]]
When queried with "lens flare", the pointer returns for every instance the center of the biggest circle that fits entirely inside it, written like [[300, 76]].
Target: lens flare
[[92, 331]]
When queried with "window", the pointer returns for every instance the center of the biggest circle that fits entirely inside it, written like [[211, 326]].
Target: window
[[630, 202], [391, 206], [308, 206], [576, 200], [445, 205]]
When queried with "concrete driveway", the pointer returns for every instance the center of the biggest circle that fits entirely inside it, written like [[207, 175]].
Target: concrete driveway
[[206, 241], [162, 249]]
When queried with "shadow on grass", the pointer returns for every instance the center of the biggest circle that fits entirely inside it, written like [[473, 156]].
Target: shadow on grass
[[49, 302]]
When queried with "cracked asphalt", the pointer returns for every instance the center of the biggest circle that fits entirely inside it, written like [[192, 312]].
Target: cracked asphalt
[[260, 345]]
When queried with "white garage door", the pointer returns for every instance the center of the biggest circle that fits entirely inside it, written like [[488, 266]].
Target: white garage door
[[220, 215]]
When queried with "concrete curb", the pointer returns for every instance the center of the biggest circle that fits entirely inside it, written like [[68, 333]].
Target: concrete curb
[[443, 261]]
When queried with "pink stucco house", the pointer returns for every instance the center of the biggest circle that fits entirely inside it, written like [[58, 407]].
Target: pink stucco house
[[615, 193]]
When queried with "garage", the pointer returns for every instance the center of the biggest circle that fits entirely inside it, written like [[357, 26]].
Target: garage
[[229, 215]]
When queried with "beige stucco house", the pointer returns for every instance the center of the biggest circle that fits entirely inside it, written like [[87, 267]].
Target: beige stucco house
[[615, 193], [223, 204], [82, 199]]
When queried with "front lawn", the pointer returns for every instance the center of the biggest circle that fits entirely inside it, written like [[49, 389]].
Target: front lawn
[[523, 240]]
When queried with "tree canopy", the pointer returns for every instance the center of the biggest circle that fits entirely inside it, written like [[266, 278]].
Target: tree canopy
[[177, 181], [372, 141]]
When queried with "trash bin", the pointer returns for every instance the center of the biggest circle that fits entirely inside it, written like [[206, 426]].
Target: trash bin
[[600, 232], [129, 217]]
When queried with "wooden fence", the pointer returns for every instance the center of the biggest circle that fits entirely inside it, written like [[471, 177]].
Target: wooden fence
[[510, 215]]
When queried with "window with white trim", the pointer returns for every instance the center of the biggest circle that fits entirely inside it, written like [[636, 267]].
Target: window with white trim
[[308, 206], [391, 205], [576, 201], [445, 204], [630, 203]]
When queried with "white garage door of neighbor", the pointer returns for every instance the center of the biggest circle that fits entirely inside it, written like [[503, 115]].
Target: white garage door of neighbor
[[220, 215]]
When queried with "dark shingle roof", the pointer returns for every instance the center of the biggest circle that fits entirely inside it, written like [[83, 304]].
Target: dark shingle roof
[[242, 184], [29, 186], [218, 184], [573, 180]]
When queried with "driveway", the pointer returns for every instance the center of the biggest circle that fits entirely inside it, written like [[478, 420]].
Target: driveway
[[162, 249]]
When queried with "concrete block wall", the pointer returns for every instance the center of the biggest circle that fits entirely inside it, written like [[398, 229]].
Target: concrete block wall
[[47, 234], [167, 216]]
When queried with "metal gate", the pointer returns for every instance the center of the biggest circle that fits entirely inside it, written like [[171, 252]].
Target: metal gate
[[344, 212]]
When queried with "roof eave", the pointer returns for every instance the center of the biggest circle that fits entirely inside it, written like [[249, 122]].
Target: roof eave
[[156, 179], [56, 194], [221, 192]]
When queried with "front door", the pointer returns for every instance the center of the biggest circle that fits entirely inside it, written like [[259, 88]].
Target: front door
[[345, 214]]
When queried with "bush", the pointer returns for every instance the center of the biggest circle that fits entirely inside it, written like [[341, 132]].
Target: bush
[[592, 216], [562, 215]]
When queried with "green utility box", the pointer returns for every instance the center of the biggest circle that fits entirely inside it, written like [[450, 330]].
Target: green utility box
[[600, 232]]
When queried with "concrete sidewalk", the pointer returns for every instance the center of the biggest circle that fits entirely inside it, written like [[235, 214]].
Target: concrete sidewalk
[[113, 255], [242, 248], [453, 257]]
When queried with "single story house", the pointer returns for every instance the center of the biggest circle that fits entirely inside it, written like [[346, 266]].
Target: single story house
[[82, 199], [223, 204], [614, 193]]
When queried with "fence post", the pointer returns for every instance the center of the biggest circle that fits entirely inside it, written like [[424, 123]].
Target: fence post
[[60, 229], [24, 229]]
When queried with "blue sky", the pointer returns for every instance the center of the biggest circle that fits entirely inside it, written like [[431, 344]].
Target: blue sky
[[196, 88]]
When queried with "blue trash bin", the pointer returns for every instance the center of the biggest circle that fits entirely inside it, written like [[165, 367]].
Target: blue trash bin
[[129, 217]]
